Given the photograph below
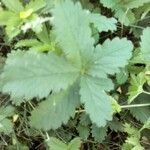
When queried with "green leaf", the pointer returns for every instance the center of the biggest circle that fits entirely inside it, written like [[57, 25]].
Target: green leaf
[[75, 28], [49, 5], [6, 126], [13, 5], [28, 43], [123, 9], [99, 134], [106, 60], [6, 112], [115, 106], [136, 86], [133, 137], [145, 42], [25, 71], [115, 125], [55, 144], [13, 26], [44, 35], [133, 4], [85, 120], [4, 17], [125, 16], [84, 131], [57, 109], [75, 144], [146, 125], [103, 23], [35, 5], [97, 102], [122, 76], [141, 113]]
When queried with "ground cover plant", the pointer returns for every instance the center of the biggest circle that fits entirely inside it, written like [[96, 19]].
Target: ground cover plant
[[74, 74]]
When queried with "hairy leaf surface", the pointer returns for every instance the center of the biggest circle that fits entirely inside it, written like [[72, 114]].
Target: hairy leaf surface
[[57, 109], [110, 56], [95, 99], [76, 29], [31, 74]]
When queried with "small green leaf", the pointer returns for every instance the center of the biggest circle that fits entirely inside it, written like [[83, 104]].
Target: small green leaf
[[55, 144], [13, 5], [99, 134], [103, 23], [75, 144], [28, 43], [141, 113], [6, 126], [84, 131], [136, 86], [115, 106], [115, 125]]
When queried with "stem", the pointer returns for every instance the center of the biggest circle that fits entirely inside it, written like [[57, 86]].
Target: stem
[[122, 107], [146, 92], [134, 105]]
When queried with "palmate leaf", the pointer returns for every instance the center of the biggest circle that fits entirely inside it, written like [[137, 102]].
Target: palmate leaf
[[57, 109], [32, 74]]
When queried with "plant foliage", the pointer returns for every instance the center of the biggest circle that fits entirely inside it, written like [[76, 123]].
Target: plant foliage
[[74, 74]]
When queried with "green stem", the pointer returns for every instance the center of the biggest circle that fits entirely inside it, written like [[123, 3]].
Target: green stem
[[122, 107], [146, 92], [134, 105]]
